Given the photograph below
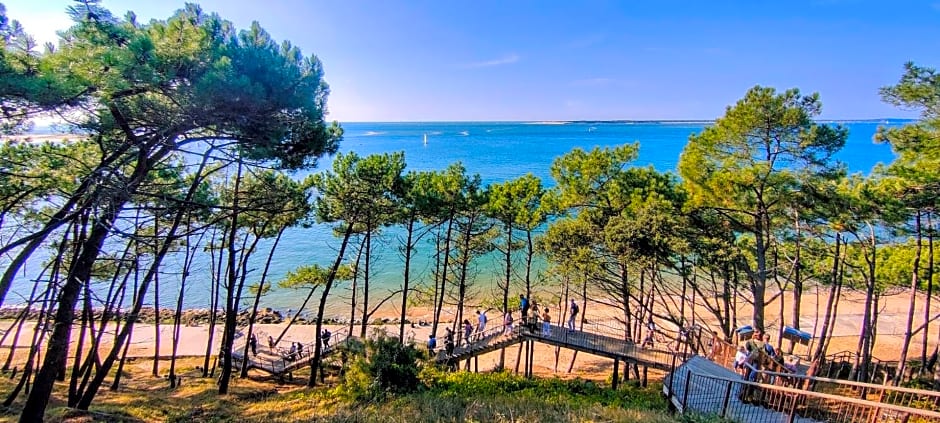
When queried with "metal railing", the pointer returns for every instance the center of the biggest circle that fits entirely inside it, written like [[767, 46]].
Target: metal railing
[[884, 394], [755, 402], [595, 336], [278, 360]]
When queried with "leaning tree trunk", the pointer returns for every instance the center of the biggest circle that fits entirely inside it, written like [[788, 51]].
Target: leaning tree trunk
[[797, 280], [365, 283], [409, 248], [908, 327], [315, 360], [257, 300], [443, 277], [228, 331], [817, 356], [79, 274], [215, 289], [929, 276]]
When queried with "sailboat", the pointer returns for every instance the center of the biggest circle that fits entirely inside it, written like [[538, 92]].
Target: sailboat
[[425, 139]]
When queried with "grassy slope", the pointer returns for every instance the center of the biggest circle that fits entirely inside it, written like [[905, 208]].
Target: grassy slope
[[452, 397]]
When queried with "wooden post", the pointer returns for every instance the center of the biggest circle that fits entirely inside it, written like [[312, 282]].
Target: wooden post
[[519, 357], [525, 363], [724, 404], [616, 376], [645, 371], [672, 377], [476, 364], [685, 393], [792, 415], [531, 359]]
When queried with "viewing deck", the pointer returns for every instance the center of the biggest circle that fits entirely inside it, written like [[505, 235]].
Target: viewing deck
[[280, 361]]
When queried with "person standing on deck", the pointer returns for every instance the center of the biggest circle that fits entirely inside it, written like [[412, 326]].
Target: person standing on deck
[[523, 307], [432, 344], [546, 323], [572, 314], [448, 341], [768, 347], [325, 337], [507, 322], [467, 330], [481, 323]]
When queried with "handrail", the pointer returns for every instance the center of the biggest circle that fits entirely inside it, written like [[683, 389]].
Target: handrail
[[855, 384], [578, 339], [855, 401]]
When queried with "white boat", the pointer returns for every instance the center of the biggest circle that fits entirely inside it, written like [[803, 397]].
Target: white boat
[[425, 139]]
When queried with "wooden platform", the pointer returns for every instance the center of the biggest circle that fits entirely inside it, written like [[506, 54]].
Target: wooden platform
[[279, 361], [720, 396], [592, 343]]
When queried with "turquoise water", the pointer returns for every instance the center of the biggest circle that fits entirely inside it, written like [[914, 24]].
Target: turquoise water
[[497, 151]]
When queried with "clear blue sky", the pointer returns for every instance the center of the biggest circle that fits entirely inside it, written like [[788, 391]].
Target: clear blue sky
[[563, 60]]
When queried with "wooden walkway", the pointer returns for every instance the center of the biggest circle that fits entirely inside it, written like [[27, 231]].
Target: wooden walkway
[[279, 361], [592, 343], [705, 387]]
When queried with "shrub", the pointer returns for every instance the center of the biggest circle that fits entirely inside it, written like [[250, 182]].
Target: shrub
[[386, 367]]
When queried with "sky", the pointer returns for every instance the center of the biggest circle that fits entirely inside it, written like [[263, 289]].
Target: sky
[[527, 60]]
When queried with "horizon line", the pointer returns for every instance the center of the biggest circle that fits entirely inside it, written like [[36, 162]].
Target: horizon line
[[606, 120]]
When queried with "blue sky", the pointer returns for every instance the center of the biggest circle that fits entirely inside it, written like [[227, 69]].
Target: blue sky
[[566, 60]]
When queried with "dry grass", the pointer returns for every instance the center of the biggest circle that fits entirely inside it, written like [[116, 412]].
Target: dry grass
[[258, 398]]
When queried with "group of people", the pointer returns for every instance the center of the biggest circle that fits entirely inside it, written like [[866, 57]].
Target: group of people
[[533, 319], [758, 353], [529, 310], [296, 350]]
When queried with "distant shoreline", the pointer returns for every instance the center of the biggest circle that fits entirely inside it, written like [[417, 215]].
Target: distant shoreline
[[47, 131], [201, 316]]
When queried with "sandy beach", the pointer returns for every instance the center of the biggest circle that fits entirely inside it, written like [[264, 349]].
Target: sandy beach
[[549, 360]]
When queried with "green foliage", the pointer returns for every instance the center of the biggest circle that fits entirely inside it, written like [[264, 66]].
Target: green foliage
[[388, 367], [553, 391], [313, 275]]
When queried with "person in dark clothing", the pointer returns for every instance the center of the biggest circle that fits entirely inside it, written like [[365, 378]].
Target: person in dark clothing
[[253, 343], [448, 341], [325, 336]]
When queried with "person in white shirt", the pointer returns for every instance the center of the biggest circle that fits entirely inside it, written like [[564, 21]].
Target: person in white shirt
[[739, 358]]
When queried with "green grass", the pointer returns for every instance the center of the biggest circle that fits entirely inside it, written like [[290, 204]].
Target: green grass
[[442, 397]]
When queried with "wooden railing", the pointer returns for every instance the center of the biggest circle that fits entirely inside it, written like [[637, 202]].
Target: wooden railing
[[756, 402]]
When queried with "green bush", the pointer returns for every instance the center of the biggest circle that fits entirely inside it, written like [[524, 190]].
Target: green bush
[[387, 367]]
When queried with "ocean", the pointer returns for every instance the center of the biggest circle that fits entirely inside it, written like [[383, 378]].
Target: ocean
[[497, 151]]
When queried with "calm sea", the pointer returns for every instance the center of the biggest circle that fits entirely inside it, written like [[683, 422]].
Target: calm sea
[[496, 151]]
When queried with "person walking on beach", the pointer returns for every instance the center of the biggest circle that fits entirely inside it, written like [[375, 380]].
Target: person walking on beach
[[573, 313], [253, 343], [271, 342], [546, 323]]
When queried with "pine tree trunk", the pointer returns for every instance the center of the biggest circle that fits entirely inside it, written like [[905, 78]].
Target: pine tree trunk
[[908, 327]]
